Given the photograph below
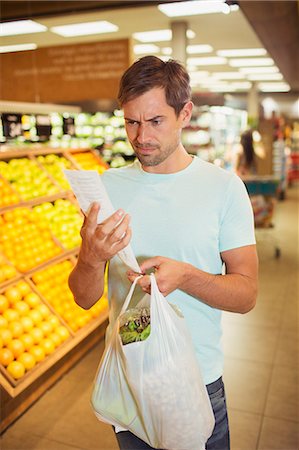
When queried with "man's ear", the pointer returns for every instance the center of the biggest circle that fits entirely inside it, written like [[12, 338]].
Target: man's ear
[[186, 114]]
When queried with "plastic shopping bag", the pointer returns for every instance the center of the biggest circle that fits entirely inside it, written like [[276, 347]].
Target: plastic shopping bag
[[154, 387]]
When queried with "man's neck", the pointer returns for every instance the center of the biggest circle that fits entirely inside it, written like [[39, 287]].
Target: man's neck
[[176, 162]]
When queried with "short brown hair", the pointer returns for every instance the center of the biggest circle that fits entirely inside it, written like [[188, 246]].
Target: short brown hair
[[150, 72]]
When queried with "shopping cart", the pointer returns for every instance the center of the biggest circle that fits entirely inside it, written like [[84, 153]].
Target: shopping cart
[[263, 193]]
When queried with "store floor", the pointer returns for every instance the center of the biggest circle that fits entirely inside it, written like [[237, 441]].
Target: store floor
[[261, 357]]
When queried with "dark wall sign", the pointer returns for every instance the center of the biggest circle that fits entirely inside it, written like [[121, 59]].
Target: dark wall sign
[[12, 125], [69, 126]]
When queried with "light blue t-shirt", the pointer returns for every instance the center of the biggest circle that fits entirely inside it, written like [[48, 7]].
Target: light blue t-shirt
[[191, 216]]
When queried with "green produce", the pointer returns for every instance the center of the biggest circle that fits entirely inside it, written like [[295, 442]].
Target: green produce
[[135, 325]]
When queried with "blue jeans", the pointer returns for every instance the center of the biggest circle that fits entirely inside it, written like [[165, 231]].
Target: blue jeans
[[220, 437]]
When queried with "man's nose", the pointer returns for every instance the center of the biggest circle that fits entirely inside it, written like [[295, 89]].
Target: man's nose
[[142, 133]]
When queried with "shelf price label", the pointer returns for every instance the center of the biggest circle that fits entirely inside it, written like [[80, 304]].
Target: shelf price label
[[12, 125]]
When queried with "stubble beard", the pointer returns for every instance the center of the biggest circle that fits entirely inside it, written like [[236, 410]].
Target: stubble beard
[[156, 158]]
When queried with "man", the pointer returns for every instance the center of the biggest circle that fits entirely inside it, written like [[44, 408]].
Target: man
[[190, 219]]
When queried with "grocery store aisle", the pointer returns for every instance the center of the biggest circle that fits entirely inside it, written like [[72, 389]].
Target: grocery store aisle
[[261, 357]]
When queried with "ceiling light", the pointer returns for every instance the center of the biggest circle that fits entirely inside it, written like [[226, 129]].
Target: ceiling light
[[242, 52], [204, 48], [166, 51], [158, 35], [272, 69], [228, 75], [193, 8], [85, 28], [274, 87], [206, 61], [251, 62], [264, 77], [140, 49], [21, 27], [17, 48]]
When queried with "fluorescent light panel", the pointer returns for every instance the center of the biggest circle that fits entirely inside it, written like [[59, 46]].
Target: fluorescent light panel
[[206, 61], [248, 70], [85, 28], [21, 27], [274, 87], [228, 75], [17, 48], [231, 53], [194, 8], [202, 48], [140, 49], [158, 35], [265, 77], [243, 62]]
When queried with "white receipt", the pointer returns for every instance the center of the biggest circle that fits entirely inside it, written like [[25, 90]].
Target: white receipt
[[88, 188]]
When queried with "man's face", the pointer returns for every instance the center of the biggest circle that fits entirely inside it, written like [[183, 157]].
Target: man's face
[[152, 127]]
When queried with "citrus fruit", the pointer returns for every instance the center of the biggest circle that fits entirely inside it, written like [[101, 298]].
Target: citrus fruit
[[6, 336], [4, 303], [47, 345], [13, 294], [23, 287], [11, 314], [27, 359], [38, 353], [63, 332], [21, 307], [36, 316], [37, 334], [27, 323], [27, 340], [6, 356], [16, 369], [32, 299], [3, 322], [16, 346], [16, 328]]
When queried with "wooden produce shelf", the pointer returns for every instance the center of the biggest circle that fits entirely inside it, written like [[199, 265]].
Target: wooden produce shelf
[[16, 400]]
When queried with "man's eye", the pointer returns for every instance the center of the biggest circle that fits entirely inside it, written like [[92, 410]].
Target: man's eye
[[131, 122], [156, 122]]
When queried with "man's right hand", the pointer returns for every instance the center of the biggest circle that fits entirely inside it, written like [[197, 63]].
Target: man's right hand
[[100, 242]]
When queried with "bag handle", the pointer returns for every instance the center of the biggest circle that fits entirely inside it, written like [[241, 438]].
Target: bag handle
[[129, 296]]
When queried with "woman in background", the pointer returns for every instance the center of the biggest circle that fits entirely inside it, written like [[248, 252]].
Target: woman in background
[[246, 163]]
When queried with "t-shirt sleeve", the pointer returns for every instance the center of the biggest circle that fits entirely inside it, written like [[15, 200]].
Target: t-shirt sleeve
[[237, 221]]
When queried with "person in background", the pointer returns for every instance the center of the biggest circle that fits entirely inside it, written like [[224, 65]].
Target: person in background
[[246, 163], [187, 220]]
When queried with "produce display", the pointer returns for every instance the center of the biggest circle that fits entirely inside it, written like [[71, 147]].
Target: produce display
[[27, 178], [26, 241], [29, 331], [89, 161], [54, 164], [135, 325], [52, 283], [63, 219], [40, 224], [7, 194]]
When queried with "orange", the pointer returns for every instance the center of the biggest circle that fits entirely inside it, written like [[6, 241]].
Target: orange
[[27, 340], [11, 314], [16, 369], [27, 323], [63, 332], [16, 328], [3, 322], [46, 327], [21, 307], [55, 338], [23, 287], [6, 356], [47, 345], [54, 321], [6, 335], [38, 353], [37, 334], [16, 346], [13, 294], [27, 359], [9, 271], [32, 299], [36, 316], [4, 303]]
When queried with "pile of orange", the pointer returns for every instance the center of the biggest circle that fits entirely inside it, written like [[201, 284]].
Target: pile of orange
[[7, 194], [25, 240], [29, 331], [89, 161], [7, 271], [52, 283]]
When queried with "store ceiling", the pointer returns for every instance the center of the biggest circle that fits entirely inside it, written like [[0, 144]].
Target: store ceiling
[[273, 25]]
